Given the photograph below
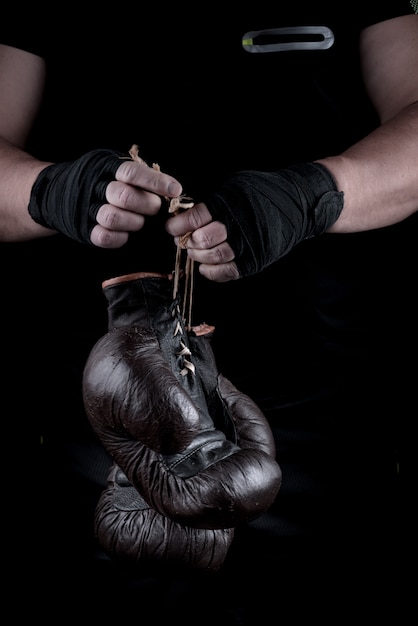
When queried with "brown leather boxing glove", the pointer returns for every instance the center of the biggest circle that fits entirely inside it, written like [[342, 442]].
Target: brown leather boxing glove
[[128, 529]]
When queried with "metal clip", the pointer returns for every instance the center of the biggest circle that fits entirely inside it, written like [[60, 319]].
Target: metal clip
[[288, 38]]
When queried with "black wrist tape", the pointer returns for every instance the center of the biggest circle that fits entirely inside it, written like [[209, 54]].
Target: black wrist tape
[[267, 213], [67, 196]]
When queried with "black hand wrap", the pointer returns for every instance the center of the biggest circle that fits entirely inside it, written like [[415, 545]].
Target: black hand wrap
[[67, 196], [268, 213]]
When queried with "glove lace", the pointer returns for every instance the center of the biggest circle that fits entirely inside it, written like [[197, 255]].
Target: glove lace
[[175, 205]]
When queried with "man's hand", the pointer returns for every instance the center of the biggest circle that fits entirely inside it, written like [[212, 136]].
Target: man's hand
[[207, 243], [135, 193], [100, 198], [258, 217]]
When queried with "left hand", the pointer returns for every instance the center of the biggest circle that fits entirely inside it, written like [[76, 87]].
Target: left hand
[[207, 243], [258, 217]]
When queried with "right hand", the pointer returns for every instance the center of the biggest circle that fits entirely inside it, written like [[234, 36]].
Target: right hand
[[100, 198]]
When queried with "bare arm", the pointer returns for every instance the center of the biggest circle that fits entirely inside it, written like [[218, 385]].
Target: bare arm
[[22, 78], [134, 193], [379, 175]]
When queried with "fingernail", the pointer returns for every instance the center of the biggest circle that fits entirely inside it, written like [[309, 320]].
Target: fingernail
[[174, 189]]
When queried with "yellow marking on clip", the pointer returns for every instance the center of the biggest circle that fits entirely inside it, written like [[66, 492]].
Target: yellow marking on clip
[[247, 42]]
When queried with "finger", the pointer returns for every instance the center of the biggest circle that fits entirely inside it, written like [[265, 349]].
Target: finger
[[115, 218], [104, 238], [132, 198], [148, 178], [189, 220], [220, 273], [218, 255], [207, 237]]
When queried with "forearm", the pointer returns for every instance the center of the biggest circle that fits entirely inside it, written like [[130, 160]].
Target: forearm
[[379, 175], [18, 172]]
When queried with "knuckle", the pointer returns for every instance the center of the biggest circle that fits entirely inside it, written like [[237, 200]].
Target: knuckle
[[202, 239], [233, 271], [131, 171], [108, 217], [218, 255], [101, 237], [131, 198], [140, 175], [124, 196], [194, 222], [198, 217]]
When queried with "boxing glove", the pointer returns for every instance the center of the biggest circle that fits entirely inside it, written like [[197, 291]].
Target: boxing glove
[[128, 529], [227, 473]]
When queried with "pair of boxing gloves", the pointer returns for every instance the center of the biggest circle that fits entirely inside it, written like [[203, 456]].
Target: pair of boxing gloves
[[193, 456]]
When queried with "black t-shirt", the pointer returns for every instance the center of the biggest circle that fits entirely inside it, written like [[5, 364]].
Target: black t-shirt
[[182, 86]]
